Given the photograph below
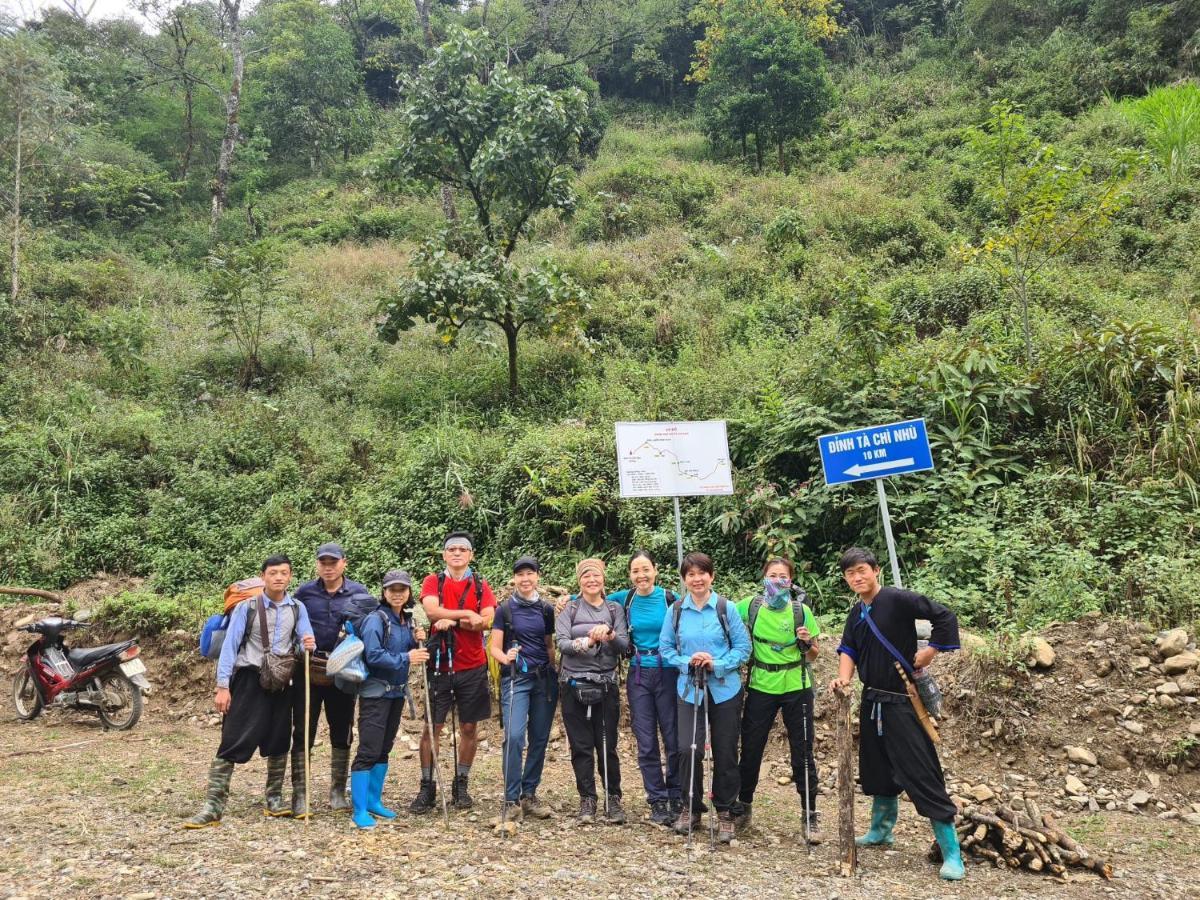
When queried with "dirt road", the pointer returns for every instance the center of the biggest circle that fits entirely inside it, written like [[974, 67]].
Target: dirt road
[[97, 815]]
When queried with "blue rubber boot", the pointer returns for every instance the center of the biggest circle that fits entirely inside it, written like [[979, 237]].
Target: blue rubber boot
[[884, 812], [947, 838], [360, 793], [375, 799]]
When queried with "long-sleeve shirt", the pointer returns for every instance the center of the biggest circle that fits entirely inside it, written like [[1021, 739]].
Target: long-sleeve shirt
[[287, 622], [700, 632], [646, 613], [327, 611], [599, 661], [895, 612], [387, 660]]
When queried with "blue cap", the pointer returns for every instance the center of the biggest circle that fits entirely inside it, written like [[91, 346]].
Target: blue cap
[[334, 550]]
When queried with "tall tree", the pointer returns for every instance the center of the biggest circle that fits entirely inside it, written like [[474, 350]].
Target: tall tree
[[231, 25], [472, 123], [35, 111]]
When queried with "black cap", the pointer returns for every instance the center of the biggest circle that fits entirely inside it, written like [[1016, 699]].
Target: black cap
[[526, 562], [334, 550], [396, 576]]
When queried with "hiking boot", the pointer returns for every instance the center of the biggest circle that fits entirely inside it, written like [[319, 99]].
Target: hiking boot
[[725, 829], [339, 765], [615, 813], [532, 806], [273, 804], [426, 798], [512, 811], [884, 812], [675, 806], [815, 835], [587, 810], [660, 813], [219, 774], [458, 793], [686, 821], [741, 819], [299, 795]]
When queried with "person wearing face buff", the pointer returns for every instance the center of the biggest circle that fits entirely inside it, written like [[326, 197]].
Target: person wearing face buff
[[783, 634]]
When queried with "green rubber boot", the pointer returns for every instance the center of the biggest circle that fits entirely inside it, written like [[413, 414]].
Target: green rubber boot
[[947, 838], [299, 792], [219, 775], [273, 803], [884, 812], [339, 766]]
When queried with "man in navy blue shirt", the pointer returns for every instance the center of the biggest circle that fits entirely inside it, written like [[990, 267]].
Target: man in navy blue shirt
[[329, 599]]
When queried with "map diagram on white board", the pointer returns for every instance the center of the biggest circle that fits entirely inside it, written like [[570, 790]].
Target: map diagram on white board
[[673, 459]]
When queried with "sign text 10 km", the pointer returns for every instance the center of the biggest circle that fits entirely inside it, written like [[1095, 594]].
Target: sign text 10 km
[[875, 452]]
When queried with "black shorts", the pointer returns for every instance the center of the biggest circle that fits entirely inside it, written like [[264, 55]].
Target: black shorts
[[469, 691]]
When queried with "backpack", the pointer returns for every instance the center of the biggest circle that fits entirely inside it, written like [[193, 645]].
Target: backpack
[[798, 598], [348, 679], [722, 617], [476, 581], [212, 633], [628, 604], [506, 619]]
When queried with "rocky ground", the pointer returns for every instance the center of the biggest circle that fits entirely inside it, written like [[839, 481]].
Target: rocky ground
[[1095, 733]]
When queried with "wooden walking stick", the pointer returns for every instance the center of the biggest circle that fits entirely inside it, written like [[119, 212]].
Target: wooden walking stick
[[307, 719], [847, 849]]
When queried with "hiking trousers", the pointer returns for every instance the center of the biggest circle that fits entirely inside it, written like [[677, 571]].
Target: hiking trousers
[[587, 739], [256, 720], [378, 722], [895, 754], [532, 697], [724, 719], [758, 717], [652, 711], [339, 713]]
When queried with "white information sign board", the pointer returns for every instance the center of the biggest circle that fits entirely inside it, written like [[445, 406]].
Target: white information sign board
[[673, 459]]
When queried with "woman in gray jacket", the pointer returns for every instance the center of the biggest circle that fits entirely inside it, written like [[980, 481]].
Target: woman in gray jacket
[[592, 637]]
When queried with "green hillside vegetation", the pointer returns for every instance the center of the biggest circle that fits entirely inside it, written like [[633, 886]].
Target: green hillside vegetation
[[983, 213]]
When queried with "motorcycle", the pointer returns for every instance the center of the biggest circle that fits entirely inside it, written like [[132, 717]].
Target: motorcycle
[[107, 680]]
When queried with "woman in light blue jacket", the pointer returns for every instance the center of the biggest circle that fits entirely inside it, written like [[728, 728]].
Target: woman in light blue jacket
[[390, 646], [704, 638]]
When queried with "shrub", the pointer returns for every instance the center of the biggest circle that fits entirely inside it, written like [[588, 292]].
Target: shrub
[[146, 614]]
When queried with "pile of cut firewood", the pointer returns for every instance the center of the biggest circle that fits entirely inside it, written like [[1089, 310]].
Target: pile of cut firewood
[[1020, 840]]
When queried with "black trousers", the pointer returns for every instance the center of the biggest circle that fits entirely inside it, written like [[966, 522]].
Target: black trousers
[[895, 754], [589, 737], [758, 717], [339, 713], [723, 718], [378, 722], [256, 720]]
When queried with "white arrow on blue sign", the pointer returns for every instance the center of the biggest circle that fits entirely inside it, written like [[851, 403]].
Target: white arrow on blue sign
[[875, 452]]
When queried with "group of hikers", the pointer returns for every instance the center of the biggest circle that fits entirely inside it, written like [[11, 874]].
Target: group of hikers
[[683, 684]]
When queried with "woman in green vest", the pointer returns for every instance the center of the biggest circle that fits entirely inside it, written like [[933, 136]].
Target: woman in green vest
[[783, 643]]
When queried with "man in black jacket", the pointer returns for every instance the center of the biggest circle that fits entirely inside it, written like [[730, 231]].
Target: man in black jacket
[[894, 752]]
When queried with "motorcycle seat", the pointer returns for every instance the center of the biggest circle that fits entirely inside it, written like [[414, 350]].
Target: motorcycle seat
[[81, 659]]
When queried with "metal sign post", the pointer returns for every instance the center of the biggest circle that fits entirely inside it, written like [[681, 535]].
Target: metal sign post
[[873, 454], [678, 533]]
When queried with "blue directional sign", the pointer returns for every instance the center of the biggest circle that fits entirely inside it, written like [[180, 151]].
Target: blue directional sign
[[875, 452]]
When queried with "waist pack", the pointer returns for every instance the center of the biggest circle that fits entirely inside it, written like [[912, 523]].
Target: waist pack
[[588, 693], [276, 670]]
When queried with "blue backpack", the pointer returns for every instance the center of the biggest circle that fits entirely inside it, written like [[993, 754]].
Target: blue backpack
[[212, 635]]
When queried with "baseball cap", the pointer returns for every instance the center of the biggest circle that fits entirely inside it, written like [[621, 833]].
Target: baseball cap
[[526, 562], [396, 576], [334, 550]]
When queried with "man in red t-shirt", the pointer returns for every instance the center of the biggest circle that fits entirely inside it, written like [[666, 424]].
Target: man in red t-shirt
[[460, 606]]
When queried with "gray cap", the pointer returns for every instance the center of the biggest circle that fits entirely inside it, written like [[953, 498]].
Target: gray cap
[[526, 562], [396, 576], [331, 549]]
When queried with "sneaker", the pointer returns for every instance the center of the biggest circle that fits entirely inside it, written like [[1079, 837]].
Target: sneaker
[[725, 829], [660, 813], [686, 822], [532, 806], [458, 793], [815, 835], [615, 814], [587, 810], [426, 798]]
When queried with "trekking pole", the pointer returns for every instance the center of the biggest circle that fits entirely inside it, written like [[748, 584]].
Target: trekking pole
[[604, 750], [507, 724], [808, 750], [307, 719], [712, 833], [449, 641], [692, 766], [433, 748]]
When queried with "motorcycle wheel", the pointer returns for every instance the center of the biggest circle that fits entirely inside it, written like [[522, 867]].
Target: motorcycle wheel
[[25, 697], [121, 705]]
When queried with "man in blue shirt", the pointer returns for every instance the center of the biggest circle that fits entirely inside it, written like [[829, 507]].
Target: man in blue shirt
[[329, 599], [255, 718]]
